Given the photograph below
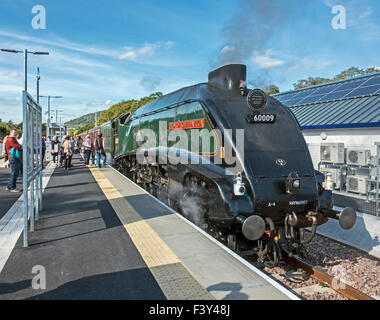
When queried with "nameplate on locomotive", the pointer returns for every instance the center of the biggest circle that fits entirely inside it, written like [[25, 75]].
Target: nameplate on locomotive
[[261, 118], [188, 124]]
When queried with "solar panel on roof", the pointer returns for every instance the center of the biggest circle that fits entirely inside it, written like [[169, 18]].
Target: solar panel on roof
[[373, 81], [327, 89], [335, 95], [285, 97], [351, 85], [343, 89], [364, 90], [311, 99], [293, 102], [304, 94]]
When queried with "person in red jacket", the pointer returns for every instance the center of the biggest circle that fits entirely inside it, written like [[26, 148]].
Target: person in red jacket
[[15, 162]]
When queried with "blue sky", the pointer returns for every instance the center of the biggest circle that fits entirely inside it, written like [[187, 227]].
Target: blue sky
[[102, 52]]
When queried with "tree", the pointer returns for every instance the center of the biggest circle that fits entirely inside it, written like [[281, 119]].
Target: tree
[[345, 74], [85, 128], [349, 73], [372, 70], [311, 81], [272, 89], [125, 106]]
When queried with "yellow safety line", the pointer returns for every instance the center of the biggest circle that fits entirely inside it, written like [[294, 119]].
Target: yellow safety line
[[175, 280]]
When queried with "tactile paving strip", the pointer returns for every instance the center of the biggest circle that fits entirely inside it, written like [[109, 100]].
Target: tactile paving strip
[[174, 279]]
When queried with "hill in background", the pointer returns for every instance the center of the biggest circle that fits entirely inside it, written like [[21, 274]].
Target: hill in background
[[82, 121], [87, 122]]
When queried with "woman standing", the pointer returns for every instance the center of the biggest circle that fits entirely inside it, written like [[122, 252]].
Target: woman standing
[[68, 151], [55, 149]]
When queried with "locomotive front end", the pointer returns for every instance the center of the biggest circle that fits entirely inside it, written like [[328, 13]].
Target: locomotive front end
[[277, 170]]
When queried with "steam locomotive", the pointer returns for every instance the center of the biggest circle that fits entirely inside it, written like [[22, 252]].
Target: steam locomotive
[[251, 182]]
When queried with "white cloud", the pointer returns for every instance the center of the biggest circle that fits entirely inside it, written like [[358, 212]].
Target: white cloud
[[60, 43], [103, 104], [148, 49], [265, 62]]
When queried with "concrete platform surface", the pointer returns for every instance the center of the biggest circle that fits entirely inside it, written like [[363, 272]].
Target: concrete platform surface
[[82, 246], [102, 237]]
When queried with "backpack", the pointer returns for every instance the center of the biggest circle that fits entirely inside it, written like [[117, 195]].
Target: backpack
[[14, 153]]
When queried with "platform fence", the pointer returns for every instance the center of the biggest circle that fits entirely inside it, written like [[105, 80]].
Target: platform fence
[[32, 162]]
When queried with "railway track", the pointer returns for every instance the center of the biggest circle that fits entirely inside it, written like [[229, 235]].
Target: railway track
[[323, 277]]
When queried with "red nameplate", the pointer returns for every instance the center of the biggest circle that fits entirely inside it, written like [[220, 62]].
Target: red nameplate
[[188, 124]]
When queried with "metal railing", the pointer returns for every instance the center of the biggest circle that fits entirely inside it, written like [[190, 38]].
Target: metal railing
[[32, 162]]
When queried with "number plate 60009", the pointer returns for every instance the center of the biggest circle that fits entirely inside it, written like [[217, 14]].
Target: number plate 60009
[[261, 118]]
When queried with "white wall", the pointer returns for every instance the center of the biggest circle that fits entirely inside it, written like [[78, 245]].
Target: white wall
[[360, 138]]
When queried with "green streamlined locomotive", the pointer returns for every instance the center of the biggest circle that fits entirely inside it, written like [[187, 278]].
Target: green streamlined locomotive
[[231, 160]]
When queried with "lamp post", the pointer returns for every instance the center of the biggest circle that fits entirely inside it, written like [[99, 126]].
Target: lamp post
[[56, 121], [25, 51], [48, 102], [38, 77]]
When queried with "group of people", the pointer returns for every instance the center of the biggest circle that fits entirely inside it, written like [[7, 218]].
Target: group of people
[[64, 151], [92, 148], [12, 152]]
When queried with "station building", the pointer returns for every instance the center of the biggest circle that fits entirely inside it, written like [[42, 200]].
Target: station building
[[346, 111], [341, 120]]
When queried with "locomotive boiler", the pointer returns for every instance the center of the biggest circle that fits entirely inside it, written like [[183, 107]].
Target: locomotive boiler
[[254, 186]]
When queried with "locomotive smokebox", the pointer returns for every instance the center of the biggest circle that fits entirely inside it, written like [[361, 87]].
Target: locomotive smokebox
[[231, 77]]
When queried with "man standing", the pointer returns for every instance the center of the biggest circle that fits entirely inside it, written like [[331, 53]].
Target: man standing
[[99, 149], [87, 149], [43, 147], [14, 150]]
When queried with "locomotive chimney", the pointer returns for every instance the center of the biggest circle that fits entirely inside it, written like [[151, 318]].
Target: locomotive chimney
[[231, 77]]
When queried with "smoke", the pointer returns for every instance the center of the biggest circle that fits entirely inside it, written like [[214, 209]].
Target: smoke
[[249, 30], [150, 83]]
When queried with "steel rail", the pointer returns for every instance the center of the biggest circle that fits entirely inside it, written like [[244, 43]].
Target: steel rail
[[343, 288]]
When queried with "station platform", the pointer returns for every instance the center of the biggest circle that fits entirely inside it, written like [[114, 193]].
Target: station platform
[[100, 236]]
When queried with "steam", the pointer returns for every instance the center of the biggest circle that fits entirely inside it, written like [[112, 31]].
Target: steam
[[249, 30], [193, 205], [150, 83]]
